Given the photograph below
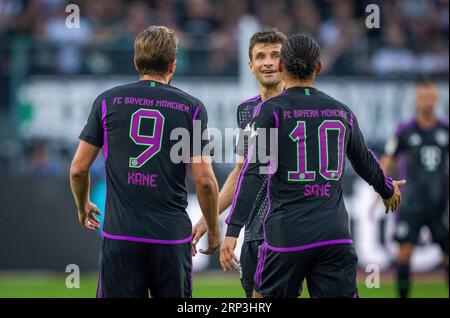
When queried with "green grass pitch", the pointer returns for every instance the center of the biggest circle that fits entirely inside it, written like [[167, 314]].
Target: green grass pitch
[[215, 285]]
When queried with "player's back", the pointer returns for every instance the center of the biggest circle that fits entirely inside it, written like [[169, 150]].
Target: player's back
[[146, 190], [306, 203]]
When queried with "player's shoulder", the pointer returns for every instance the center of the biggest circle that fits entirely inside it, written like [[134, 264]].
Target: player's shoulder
[[332, 101], [405, 127], [268, 105], [249, 103], [186, 97], [117, 90], [443, 123], [254, 100], [111, 92]]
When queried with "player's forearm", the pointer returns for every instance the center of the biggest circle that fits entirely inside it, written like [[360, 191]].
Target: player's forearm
[[227, 193], [240, 212], [387, 162], [208, 198], [80, 184], [367, 167]]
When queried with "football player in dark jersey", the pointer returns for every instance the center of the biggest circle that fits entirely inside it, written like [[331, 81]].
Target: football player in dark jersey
[[422, 144], [306, 229], [146, 232], [264, 55]]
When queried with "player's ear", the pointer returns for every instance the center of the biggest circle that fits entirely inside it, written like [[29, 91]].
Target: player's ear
[[135, 65], [250, 66], [318, 67], [173, 67]]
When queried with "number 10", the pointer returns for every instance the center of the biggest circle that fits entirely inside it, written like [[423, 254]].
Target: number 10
[[298, 135]]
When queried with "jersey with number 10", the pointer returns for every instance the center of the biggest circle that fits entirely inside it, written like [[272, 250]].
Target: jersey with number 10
[[146, 191], [314, 133]]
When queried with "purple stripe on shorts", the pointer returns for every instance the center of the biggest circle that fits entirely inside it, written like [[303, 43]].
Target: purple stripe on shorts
[[105, 134], [99, 288], [144, 240], [261, 260], [241, 178], [308, 246], [190, 276]]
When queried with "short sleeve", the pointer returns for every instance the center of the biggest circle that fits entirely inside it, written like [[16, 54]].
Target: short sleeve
[[201, 143], [92, 132]]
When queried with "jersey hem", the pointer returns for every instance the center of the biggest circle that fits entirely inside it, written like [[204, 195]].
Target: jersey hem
[[145, 240]]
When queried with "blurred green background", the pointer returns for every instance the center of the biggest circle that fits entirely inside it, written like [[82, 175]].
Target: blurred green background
[[206, 285]]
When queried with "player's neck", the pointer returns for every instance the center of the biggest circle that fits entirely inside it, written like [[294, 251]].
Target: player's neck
[[294, 82], [156, 78], [268, 92], [426, 121]]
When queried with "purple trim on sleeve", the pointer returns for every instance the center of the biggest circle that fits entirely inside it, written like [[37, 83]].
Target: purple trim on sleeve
[[145, 240], [238, 188], [194, 118], [253, 99], [277, 122], [257, 109], [308, 246], [387, 179], [351, 123], [268, 207], [105, 133]]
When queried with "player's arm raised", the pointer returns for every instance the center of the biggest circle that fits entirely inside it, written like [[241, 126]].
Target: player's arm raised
[[80, 184], [367, 167]]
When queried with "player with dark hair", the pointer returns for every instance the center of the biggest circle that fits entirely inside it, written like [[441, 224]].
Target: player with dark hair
[[264, 55], [147, 232], [306, 230], [423, 143]]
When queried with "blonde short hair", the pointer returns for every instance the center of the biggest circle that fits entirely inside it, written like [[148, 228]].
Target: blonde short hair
[[154, 49]]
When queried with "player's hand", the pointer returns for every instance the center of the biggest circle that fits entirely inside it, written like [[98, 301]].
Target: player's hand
[[87, 217], [394, 201], [213, 241], [228, 260], [198, 231]]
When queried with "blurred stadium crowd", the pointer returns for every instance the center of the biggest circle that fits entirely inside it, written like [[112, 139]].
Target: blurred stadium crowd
[[412, 39], [412, 31]]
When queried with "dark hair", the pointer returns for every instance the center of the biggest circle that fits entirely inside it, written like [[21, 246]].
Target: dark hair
[[299, 55], [272, 36], [154, 49], [423, 80]]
